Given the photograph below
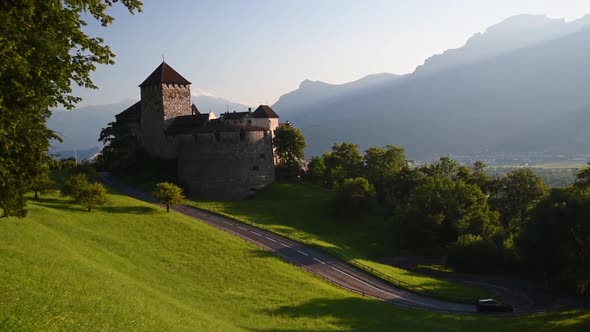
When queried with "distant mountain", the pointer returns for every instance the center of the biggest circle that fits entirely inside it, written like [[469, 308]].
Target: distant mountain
[[504, 91], [80, 128], [311, 92], [511, 34]]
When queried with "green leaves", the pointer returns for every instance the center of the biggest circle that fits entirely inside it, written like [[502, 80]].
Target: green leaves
[[290, 145], [168, 193], [83, 192], [43, 50]]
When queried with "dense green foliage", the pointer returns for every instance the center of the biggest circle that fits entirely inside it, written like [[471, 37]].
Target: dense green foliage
[[355, 196], [43, 50], [168, 193], [119, 147], [344, 162], [473, 254], [83, 192], [289, 145], [131, 266], [514, 194], [555, 242], [449, 209]]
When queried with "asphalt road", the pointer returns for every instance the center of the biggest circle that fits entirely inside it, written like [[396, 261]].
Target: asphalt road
[[314, 261]]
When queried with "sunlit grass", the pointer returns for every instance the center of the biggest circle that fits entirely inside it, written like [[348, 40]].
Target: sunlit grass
[[131, 266], [303, 211]]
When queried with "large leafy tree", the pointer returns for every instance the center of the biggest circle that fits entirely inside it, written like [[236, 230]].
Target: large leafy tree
[[514, 195], [555, 242], [119, 146], [381, 166], [343, 162], [43, 50], [290, 145], [439, 210]]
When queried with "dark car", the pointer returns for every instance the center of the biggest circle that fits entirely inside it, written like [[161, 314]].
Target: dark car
[[492, 305]]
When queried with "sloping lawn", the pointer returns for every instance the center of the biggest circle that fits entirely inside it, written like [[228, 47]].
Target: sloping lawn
[[305, 212], [131, 266]]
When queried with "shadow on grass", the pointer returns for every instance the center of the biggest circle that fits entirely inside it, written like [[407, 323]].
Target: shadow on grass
[[68, 205], [358, 314], [59, 204], [129, 209]]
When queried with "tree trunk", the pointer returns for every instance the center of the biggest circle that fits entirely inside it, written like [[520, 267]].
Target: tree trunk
[[36, 194], [167, 207], [89, 209]]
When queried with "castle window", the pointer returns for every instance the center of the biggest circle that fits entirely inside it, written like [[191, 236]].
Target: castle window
[[255, 168], [241, 121], [235, 122], [249, 121], [262, 156]]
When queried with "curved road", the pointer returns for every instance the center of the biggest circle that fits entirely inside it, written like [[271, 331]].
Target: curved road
[[314, 261]]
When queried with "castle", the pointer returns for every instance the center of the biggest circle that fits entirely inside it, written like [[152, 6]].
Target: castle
[[228, 157]]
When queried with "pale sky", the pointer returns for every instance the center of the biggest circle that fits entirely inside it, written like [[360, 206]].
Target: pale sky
[[253, 51]]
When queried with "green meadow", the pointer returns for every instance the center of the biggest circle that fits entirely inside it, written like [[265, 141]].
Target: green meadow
[[304, 211], [131, 266]]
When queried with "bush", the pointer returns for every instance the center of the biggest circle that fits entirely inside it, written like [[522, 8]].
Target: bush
[[355, 196], [73, 184], [84, 192], [473, 254], [92, 195]]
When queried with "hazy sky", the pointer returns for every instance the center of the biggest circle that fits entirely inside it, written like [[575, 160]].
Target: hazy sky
[[253, 51]]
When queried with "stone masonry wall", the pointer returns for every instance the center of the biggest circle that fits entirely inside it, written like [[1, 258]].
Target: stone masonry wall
[[159, 105], [176, 100], [229, 168]]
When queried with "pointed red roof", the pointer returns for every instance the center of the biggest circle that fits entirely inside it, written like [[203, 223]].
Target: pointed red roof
[[164, 74]]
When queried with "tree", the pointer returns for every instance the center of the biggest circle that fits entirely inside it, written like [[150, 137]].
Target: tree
[[41, 183], [582, 181], [290, 145], [43, 50], [345, 161], [316, 170], [514, 195], [555, 243], [355, 195], [168, 193], [92, 195], [381, 165], [439, 210], [73, 185], [119, 146], [83, 192]]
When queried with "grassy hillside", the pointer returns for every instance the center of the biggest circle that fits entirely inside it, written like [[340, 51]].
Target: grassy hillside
[[304, 211], [131, 266]]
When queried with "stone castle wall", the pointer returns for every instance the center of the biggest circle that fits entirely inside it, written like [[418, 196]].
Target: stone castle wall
[[230, 165], [176, 100], [160, 104]]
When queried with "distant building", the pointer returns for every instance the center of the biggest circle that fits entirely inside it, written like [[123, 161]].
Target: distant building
[[218, 158]]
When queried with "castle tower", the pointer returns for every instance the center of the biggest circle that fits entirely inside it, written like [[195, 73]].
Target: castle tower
[[165, 94]]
